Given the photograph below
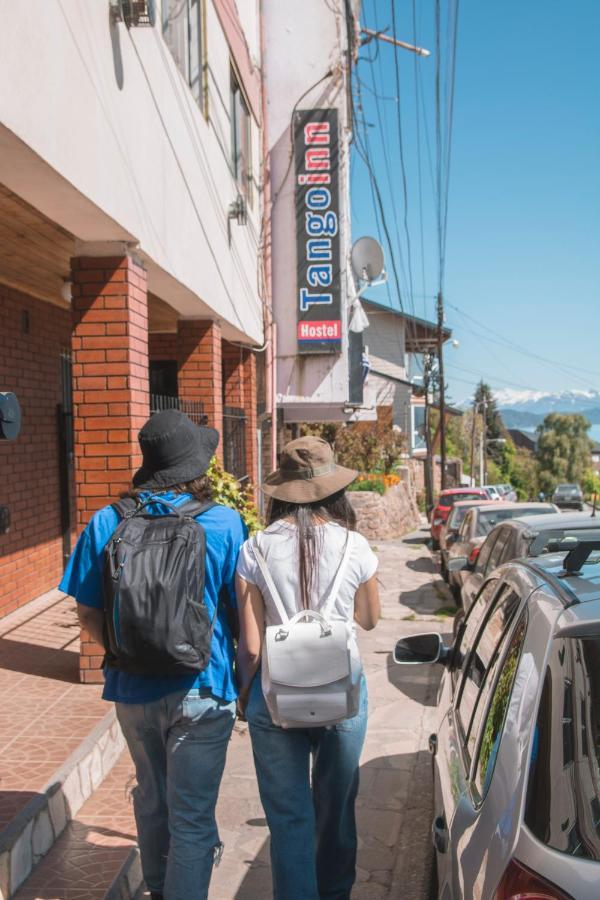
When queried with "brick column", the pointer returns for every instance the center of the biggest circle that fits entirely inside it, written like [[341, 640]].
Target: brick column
[[110, 389], [200, 375]]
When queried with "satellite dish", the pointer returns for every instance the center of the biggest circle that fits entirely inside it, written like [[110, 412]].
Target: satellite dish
[[367, 259]]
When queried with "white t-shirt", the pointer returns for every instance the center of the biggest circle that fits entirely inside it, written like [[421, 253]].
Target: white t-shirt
[[278, 545]]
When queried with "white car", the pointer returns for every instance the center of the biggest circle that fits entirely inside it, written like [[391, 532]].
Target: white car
[[516, 753]]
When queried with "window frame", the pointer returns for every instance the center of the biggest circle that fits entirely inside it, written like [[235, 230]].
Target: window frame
[[521, 615], [184, 66], [243, 176], [504, 587], [482, 561]]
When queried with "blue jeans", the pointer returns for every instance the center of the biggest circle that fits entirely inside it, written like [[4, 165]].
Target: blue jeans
[[311, 819], [178, 745]]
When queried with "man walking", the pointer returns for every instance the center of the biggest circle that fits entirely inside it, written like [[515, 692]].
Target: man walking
[[153, 575]]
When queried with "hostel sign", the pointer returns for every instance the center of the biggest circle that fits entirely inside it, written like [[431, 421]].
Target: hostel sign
[[317, 231]]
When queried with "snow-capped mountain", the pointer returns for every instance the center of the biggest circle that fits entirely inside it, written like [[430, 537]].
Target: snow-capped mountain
[[526, 409], [542, 402]]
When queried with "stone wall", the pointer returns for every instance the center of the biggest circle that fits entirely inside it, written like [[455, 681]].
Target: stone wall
[[382, 517]]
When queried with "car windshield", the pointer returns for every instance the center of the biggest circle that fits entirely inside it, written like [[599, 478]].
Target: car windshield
[[451, 499], [566, 487], [489, 517]]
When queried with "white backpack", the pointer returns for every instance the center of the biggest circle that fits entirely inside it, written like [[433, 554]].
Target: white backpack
[[309, 677]]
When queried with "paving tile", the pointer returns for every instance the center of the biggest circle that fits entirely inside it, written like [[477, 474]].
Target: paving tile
[[44, 712]]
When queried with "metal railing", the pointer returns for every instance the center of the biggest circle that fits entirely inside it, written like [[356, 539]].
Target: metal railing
[[192, 408], [234, 442]]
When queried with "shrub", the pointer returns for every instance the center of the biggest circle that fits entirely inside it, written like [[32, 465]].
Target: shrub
[[228, 492], [368, 483]]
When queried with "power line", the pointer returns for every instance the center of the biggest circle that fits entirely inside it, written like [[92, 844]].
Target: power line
[[402, 160], [506, 343]]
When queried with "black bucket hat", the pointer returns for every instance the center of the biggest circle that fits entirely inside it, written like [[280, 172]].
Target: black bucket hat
[[174, 450]]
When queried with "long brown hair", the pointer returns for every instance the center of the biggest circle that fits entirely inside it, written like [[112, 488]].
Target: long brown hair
[[200, 488], [335, 508]]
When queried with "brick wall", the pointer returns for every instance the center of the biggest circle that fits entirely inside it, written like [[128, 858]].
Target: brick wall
[[162, 346], [31, 553]]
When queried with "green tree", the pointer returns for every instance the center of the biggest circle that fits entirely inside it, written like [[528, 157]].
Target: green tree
[[563, 450]]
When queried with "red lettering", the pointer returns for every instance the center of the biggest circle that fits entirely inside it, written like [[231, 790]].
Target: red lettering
[[316, 133], [317, 158]]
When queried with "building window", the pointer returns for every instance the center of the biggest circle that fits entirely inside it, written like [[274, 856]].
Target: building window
[[241, 157], [184, 31]]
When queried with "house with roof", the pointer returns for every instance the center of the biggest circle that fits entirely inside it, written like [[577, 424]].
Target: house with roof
[[393, 346]]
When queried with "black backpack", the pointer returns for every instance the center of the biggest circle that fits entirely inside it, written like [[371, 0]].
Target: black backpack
[[155, 618]]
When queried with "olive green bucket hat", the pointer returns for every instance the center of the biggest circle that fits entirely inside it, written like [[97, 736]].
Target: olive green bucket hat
[[307, 473]]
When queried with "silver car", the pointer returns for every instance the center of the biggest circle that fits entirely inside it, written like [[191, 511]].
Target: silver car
[[516, 754]]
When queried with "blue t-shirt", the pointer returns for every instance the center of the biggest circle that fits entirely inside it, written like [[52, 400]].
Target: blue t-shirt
[[225, 534]]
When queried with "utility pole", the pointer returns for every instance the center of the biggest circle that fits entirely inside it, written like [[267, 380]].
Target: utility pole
[[472, 461], [440, 354], [428, 467], [483, 446]]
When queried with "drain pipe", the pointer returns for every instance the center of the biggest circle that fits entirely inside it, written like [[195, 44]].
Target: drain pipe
[[269, 324]]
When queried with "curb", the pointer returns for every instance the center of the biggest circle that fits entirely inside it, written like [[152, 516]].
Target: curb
[[36, 827], [128, 880]]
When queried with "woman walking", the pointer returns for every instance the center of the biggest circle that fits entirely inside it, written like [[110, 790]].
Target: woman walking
[[312, 559]]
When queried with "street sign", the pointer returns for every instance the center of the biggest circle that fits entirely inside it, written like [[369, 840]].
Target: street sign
[[319, 326]]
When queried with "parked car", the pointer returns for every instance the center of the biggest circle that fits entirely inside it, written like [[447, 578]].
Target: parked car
[[451, 527], [445, 502], [492, 492], [507, 492], [515, 752], [477, 524], [525, 536], [568, 496]]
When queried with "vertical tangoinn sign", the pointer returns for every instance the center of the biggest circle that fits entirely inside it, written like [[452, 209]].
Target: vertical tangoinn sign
[[317, 231]]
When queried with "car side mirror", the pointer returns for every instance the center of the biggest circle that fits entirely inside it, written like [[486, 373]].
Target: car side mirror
[[419, 649], [458, 564]]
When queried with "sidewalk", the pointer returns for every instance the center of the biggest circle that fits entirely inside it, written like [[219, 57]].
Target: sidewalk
[[394, 806]]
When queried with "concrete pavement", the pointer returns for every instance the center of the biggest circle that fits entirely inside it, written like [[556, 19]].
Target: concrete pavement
[[394, 805]]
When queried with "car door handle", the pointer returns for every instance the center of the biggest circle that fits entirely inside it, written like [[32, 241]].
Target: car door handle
[[439, 831]]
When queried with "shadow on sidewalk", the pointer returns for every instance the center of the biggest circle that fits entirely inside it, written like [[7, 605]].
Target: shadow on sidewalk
[[396, 796], [422, 564], [34, 659], [418, 683]]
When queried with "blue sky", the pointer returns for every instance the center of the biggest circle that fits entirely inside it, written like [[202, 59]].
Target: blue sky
[[523, 233]]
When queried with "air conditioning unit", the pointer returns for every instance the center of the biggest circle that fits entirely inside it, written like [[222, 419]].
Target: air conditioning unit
[[134, 13]]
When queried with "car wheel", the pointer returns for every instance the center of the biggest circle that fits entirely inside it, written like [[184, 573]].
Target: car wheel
[[435, 544]]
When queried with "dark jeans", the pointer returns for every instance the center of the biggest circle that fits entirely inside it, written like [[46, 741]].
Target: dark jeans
[[311, 819], [178, 745]]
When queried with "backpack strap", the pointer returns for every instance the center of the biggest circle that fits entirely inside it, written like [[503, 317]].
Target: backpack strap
[[335, 587], [195, 508], [125, 506], [262, 565]]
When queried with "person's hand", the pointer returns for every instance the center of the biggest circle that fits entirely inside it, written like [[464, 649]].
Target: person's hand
[[242, 703]]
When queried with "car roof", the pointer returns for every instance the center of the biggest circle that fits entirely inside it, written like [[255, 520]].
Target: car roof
[[462, 490], [562, 520], [482, 502], [506, 504], [583, 587]]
